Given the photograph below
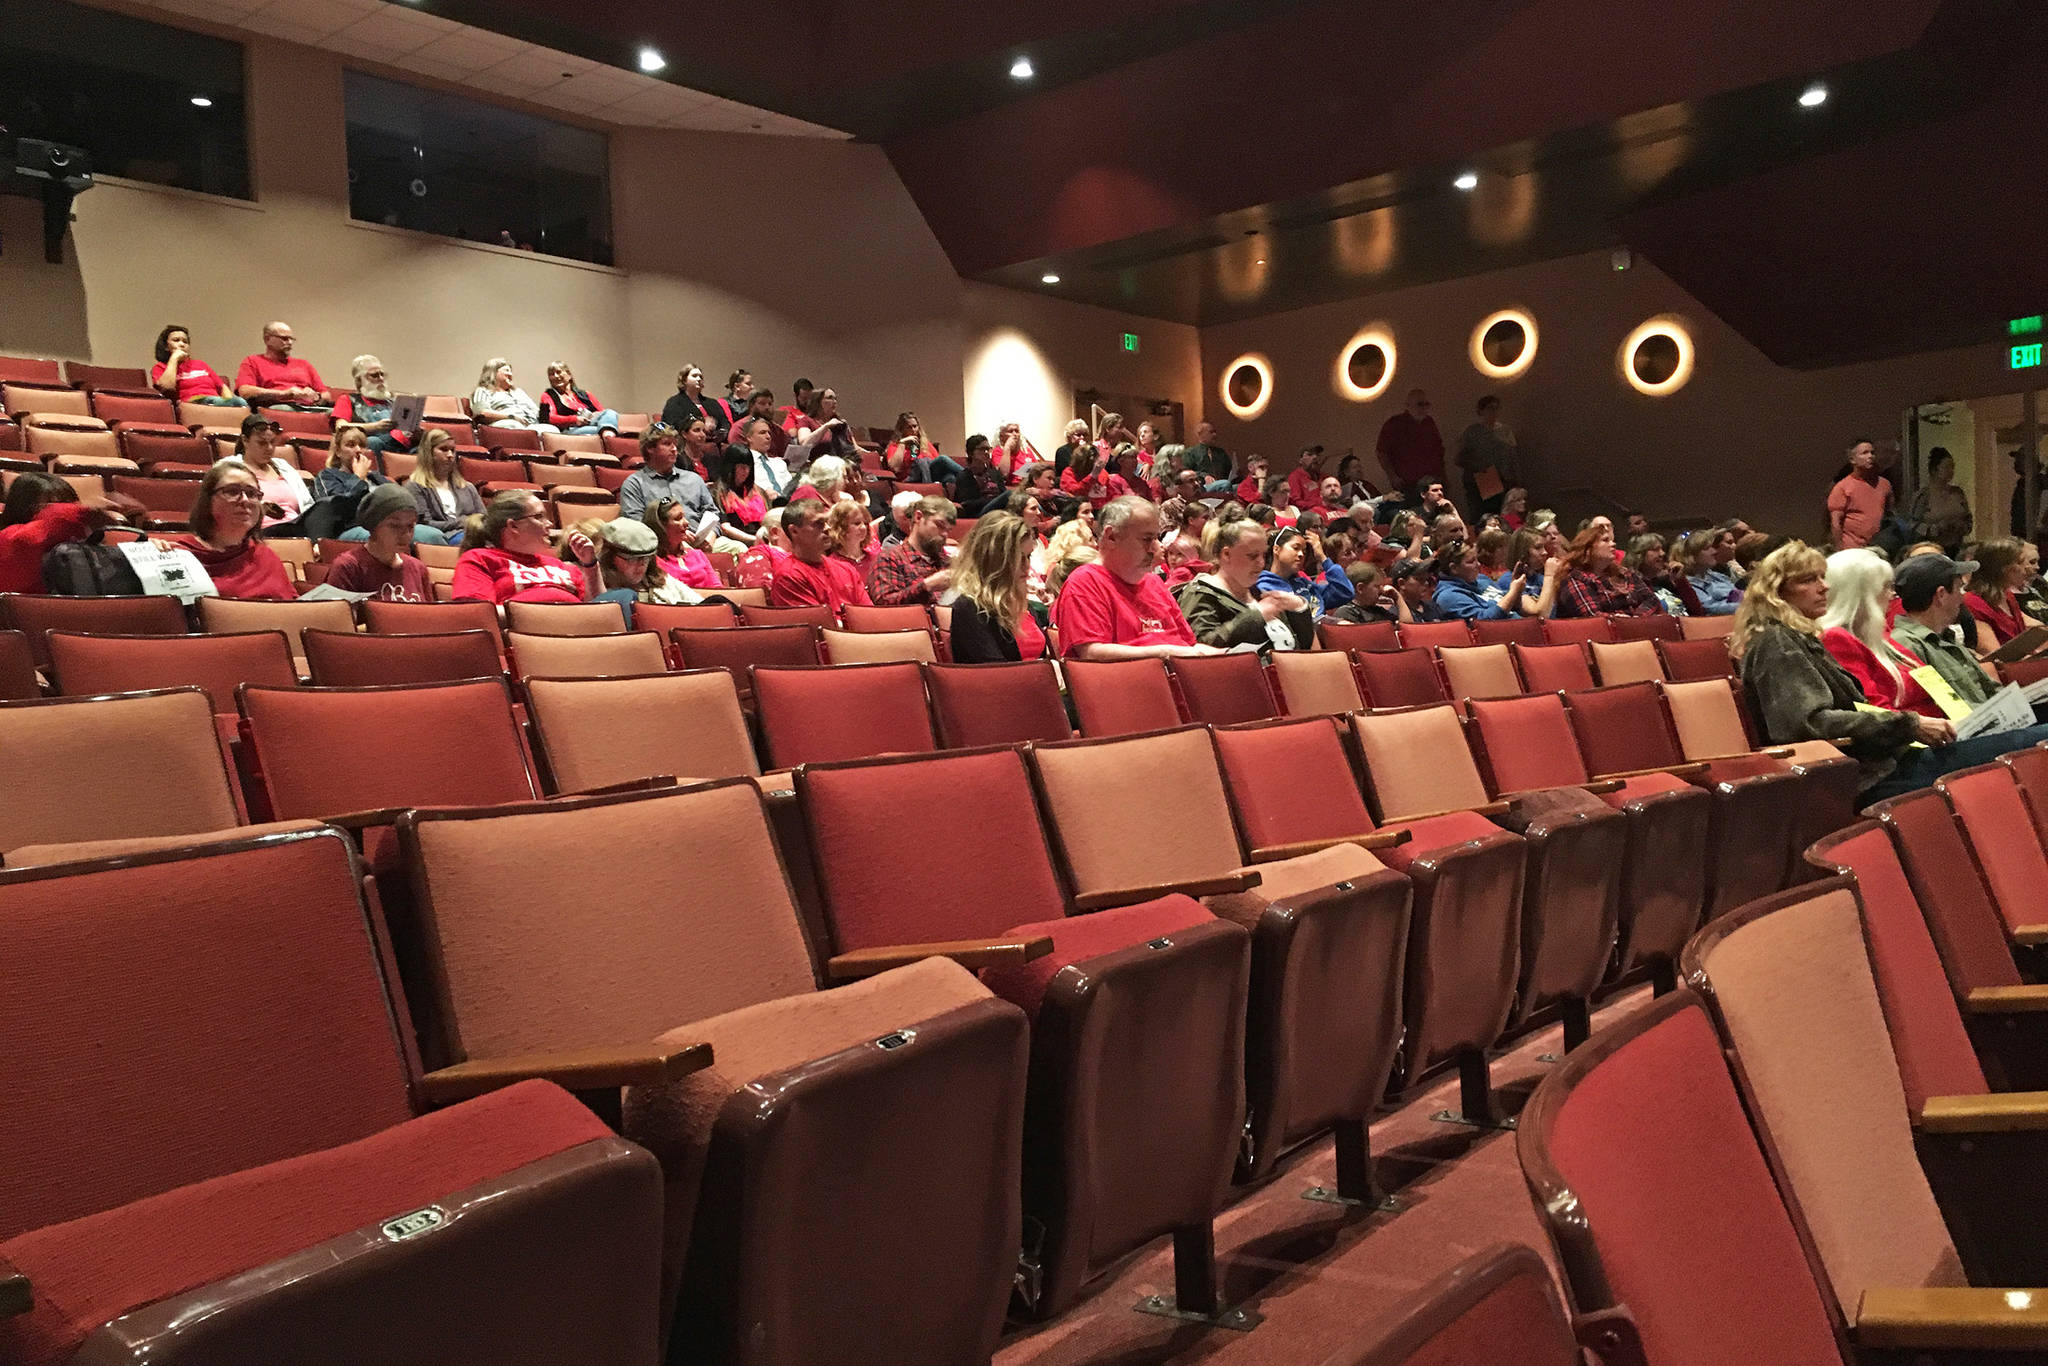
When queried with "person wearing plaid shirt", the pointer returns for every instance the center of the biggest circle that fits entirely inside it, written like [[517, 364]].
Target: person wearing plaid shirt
[[914, 570], [1598, 584]]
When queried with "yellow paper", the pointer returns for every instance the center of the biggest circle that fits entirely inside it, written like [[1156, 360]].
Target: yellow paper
[[1885, 711], [1952, 706]]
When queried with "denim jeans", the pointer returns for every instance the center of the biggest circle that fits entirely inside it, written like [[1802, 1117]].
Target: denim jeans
[[1919, 768], [606, 421], [424, 535]]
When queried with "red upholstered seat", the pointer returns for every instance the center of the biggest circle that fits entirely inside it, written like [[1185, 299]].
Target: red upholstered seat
[[1400, 678], [1433, 834], [2030, 770], [87, 665], [351, 659], [1509, 631], [2001, 834], [845, 711], [1357, 635], [1121, 697], [1656, 627], [1076, 939], [17, 668], [1943, 873], [1224, 690], [996, 704], [1574, 630], [1688, 661], [1426, 635], [1553, 668]]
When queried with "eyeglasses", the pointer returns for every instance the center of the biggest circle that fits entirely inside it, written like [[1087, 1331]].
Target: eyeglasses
[[238, 493], [540, 517]]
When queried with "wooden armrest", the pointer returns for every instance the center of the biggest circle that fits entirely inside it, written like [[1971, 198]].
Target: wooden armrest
[[1596, 788], [1776, 752], [363, 820], [968, 953], [2005, 1000], [1240, 881], [1497, 808], [1996, 1112], [1378, 839], [654, 784], [577, 1069], [1952, 1317], [16, 1295], [2030, 935], [1675, 770]]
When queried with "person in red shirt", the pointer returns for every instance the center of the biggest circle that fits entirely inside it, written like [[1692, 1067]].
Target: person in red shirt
[[1857, 505], [1088, 479], [274, 378], [43, 511], [1252, 489], [227, 537], [505, 556], [807, 578], [1116, 607], [1305, 481], [1410, 447], [380, 565], [184, 378]]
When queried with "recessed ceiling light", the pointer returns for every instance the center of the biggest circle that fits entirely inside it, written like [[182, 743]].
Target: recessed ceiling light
[[1813, 96], [1262, 260], [651, 61], [1468, 181], [1022, 70], [201, 102], [1048, 279]]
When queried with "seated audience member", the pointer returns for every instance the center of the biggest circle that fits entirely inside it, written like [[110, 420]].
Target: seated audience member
[[1853, 632], [824, 479], [739, 395], [2005, 567], [915, 570], [902, 504], [1648, 557], [850, 532], [1542, 573], [1408, 536], [688, 403], [977, 485], [1372, 597], [369, 406], [1127, 463], [1930, 602], [993, 620], [1074, 438], [1117, 608], [182, 377], [1043, 482], [630, 569], [381, 566], [662, 476], [272, 377], [1514, 509], [1031, 507], [1240, 603], [1296, 564], [1415, 592], [1446, 527], [810, 577], [1598, 584], [1352, 485], [1253, 487], [1056, 576], [914, 458], [506, 556], [696, 451], [800, 392], [756, 568], [1698, 557], [821, 428], [1492, 544], [1066, 537], [762, 405], [445, 500], [1798, 692], [569, 409], [41, 512], [1305, 480], [350, 474], [1750, 547], [1209, 459], [740, 505], [1185, 549], [285, 493], [1012, 453], [1088, 479], [498, 402], [1462, 591], [227, 536], [678, 554]]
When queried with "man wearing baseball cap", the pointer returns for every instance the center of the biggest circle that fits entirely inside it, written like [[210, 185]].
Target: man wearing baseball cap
[[1930, 589]]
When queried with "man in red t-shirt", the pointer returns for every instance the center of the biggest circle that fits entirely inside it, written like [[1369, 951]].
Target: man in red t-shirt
[[1305, 484], [803, 579], [1116, 607], [1857, 505], [274, 378], [1411, 449]]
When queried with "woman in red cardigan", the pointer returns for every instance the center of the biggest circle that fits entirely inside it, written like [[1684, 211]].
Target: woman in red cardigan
[[41, 512], [227, 536]]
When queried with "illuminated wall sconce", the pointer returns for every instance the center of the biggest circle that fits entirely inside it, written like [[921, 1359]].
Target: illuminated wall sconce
[[1504, 344], [1657, 357], [1365, 365], [1247, 386]]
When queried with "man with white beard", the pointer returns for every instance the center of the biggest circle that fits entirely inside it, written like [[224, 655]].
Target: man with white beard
[[369, 407]]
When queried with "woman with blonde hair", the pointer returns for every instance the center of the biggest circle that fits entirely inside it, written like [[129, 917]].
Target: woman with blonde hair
[[993, 620], [498, 402], [1856, 635], [1069, 536], [445, 499]]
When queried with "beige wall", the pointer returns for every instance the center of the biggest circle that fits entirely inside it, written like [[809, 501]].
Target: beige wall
[[1744, 436]]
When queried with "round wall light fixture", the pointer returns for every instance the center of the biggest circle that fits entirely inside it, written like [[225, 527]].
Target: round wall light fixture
[[1504, 344], [1247, 386], [1657, 358], [1365, 364]]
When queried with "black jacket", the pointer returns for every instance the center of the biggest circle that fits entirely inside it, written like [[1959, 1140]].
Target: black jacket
[[978, 638]]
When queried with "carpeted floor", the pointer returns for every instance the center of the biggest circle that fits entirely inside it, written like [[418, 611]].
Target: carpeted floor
[[1319, 1273]]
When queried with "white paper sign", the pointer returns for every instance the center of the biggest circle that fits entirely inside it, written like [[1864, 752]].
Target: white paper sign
[[173, 573], [2006, 709]]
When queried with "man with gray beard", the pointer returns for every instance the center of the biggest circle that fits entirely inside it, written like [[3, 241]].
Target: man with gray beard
[[369, 407]]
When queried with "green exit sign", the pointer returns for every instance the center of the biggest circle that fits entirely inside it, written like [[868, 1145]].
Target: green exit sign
[[2024, 327], [2026, 357], [1131, 341]]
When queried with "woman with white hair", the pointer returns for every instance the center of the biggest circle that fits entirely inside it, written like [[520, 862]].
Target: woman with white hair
[[498, 402], [1078, 435], [1856, 634], [825, 480]]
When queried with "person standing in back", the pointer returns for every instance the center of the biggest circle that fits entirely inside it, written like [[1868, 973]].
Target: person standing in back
[[1410, 447], [1857, 505]]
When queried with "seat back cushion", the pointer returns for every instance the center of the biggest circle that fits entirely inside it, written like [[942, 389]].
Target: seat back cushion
[[1121, 697], [587, 656], [1628, 661], [1553, 668], [1292, 782], [1709, 724], [89, 760], [997, 704], [1480, 671], [1943, 874], [1623, 729], [1994, 816], [601, 731], [1316, 682], [848, 711], [1796, 991], [1419, 763], [1528, 743], [1092, 789], [1224, 690]]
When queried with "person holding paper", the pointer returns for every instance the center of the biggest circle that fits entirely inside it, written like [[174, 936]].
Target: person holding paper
[[1486, 454], [1930, 599], [227, 536]]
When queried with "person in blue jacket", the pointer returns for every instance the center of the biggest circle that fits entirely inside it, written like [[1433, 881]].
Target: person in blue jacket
[[1462, 592], [1296, 564]]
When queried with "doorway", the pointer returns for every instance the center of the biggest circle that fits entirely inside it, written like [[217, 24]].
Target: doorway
[[1165, 414]]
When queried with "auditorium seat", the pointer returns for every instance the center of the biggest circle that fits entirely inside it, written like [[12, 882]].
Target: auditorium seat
[[913, 617], [1942, 1195], [1348, 636], [1508, 631], [144, 410], [564, 477], [2030, 770], [556, 443], [996, 704], [360, 659], [1400, 678], [1138, 1053], [842, 711], [89, 377], [1120, 696], [600, 732], [1295, 788], [17, 668], [1627, 661], [1328, 925], [1417, 763], [86, 665], [1624, 731], [1687, 661], [36, 614], [848, 1163], [79, 448], [1553, 668], [29, 370], [150, 449], [1978, 947], [1716, 627], [747, 597], [167, 501], [20, 400], [1316, 682], [701, 616], [1526, 744], [495, 470], [296, 423], [1655, 627], [1479, 671], [625, 654], [876, 647], [505, 437], [1577, 630], [292, 618], [420, 618], [1225, 689], [566, 618], [1429, 635], [112, 768], [752, 614], [739, 649], [2001, 835], [225, 1152], [1497, 1306]]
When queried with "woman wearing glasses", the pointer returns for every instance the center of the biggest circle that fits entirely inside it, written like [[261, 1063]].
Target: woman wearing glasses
[[506, 556], [227, 536]]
